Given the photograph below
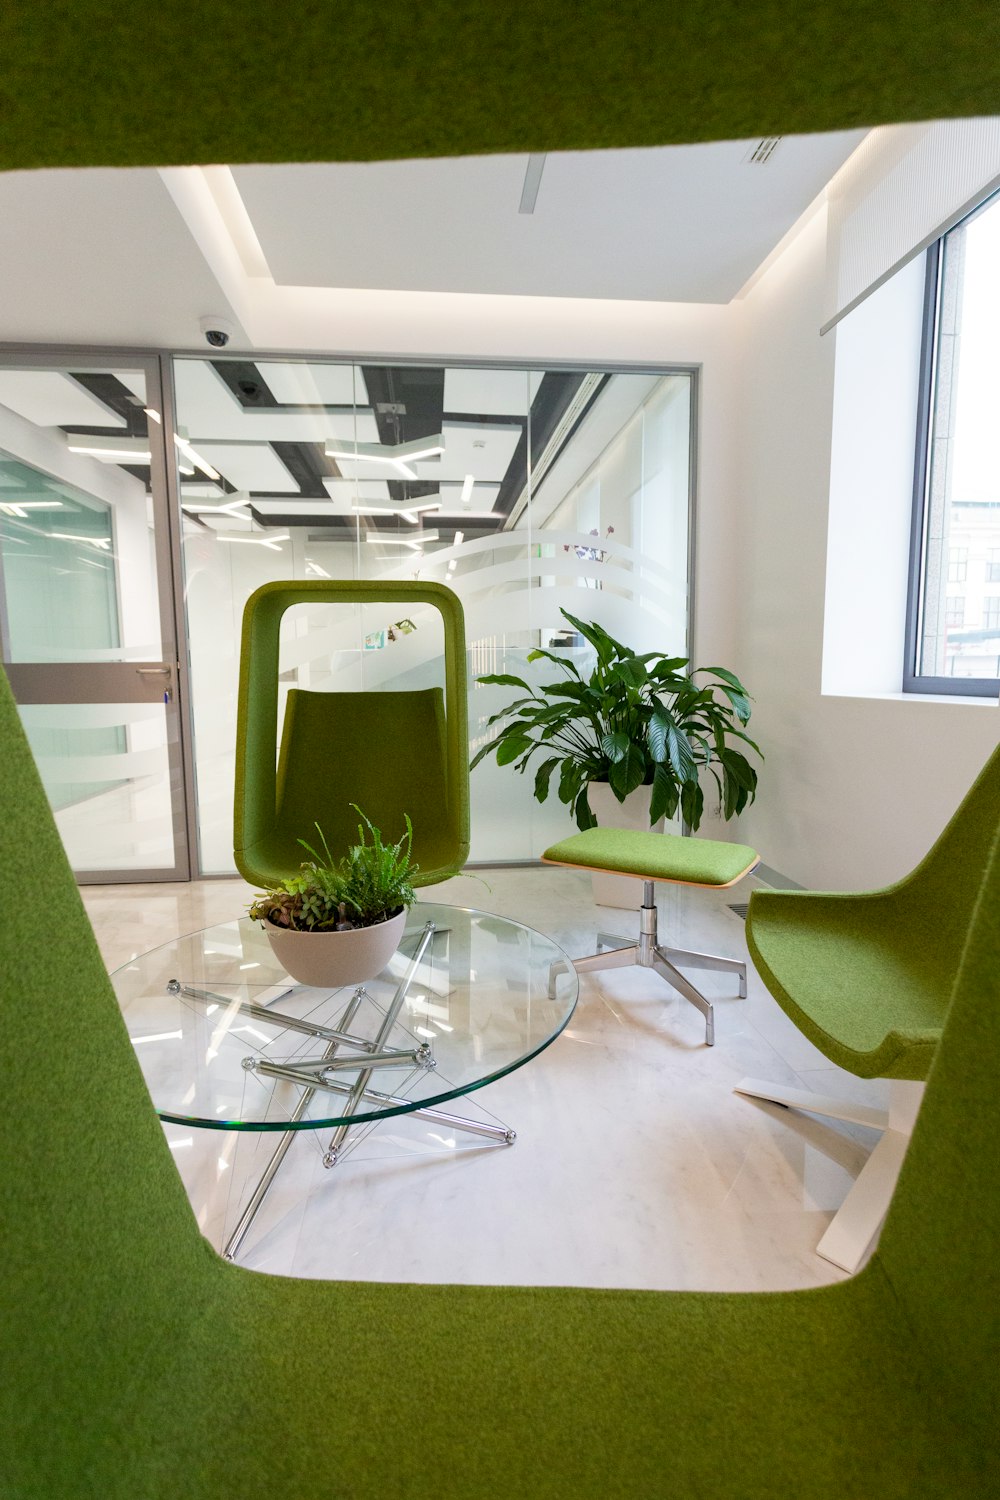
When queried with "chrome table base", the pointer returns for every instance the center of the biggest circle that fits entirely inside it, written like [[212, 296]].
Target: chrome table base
[[319, 1074], [647, 953]]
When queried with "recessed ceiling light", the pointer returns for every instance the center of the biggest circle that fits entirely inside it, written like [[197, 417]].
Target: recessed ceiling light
[[257, 541], [470, 480], [116, 450]]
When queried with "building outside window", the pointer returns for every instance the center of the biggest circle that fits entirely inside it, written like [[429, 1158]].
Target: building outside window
[[958, 564], [953, 642]]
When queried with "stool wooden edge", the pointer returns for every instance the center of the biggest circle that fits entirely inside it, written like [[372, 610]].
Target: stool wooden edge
[[702, 885]]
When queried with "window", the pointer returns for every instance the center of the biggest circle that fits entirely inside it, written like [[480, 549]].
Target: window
[[956, 523], [958, 564]]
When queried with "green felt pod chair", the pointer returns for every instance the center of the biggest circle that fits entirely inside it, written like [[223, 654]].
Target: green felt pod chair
[[867, 977], [138, 1363], [391, 753]]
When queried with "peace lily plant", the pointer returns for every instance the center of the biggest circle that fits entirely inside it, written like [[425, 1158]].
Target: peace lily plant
[[637, 720]]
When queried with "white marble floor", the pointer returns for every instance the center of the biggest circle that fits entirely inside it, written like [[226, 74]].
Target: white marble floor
[[635, 1163]]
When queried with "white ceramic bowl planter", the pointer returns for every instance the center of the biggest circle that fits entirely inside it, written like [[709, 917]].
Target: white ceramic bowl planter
[[328, 960]]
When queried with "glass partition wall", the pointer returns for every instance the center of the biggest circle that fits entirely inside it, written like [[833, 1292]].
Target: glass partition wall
[[144, 497], [528, 492], [86, 610]]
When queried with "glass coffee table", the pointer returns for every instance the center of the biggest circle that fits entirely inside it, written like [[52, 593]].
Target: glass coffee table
[[227, 1041]]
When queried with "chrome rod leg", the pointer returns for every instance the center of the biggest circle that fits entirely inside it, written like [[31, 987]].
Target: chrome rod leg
[[618, 958], [674, 977], [332, 1155], [713, 961], [471, 1127], [436, 1116], [248, 1215], [272, 1017]]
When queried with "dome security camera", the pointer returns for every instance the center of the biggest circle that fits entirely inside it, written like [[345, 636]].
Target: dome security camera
[[216, 331]]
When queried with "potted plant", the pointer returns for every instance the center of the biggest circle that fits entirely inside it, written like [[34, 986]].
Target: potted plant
[[637, 721], [339, 922]]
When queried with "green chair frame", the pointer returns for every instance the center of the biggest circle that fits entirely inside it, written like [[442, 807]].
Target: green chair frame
[[868, 978], [404, 751]]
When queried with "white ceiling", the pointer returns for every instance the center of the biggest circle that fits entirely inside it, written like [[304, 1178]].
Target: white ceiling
[[676, 223], [138, 257]]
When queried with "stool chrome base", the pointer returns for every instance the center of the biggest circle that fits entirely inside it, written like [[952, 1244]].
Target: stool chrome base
[[647, 953]]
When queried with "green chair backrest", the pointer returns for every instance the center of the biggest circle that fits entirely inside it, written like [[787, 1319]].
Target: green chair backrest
[[388, 752], [940, 1246], [938, 893]]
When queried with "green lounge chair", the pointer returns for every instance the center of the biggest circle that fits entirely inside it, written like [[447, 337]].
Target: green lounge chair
[[868, 979], [390, 753]]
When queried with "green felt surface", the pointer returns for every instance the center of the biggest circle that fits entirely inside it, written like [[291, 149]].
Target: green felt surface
[[138, 1364], [390, 753], [868, 977], [89, 81], [654, 856]]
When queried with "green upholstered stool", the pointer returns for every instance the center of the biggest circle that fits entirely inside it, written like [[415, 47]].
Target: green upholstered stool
[[650, 857], [867, 976]]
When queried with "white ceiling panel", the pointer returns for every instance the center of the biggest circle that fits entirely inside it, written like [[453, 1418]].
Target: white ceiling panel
[[490, 393], [206, 491], [373, 470], [51, 399], [249, 466], [134, 381], [315, 385], [313, 510], [207, 410], [481, 449], [483, 497], [345, 490]]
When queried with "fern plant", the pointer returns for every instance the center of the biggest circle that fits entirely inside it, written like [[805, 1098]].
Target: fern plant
[[637, 720], [368, 884]]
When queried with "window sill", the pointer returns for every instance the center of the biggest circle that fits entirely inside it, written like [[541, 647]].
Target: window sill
[[968, 702]]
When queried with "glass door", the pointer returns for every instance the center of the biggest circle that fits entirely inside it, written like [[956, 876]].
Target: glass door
[[86, 613]]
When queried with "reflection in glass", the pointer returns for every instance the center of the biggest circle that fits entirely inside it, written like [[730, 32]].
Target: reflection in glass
[[527, 492]]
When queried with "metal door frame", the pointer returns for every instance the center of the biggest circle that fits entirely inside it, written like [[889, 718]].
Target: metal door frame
[[128, 681]]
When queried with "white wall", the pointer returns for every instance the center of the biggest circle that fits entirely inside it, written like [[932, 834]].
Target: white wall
[[854, 789]]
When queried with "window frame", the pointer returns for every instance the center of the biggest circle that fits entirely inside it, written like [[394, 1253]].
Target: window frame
[[913, 680]]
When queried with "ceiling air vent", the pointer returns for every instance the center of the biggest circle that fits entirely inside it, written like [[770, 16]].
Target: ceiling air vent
[[762, 151]]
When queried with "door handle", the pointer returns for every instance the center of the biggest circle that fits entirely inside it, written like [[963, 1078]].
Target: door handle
[[168, 691]]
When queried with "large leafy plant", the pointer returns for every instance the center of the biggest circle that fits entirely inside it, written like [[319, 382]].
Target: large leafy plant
[[371, 882], [637, 720]]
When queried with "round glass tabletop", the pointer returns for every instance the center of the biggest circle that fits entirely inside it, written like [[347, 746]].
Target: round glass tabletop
[[227, 1041]]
